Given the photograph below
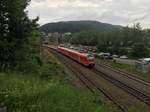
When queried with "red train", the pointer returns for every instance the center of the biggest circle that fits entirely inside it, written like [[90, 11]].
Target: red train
[[83, 58]]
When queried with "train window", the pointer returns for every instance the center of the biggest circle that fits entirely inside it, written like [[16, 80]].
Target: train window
[[90, 56]]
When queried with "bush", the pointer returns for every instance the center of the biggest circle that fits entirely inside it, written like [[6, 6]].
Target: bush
[[50, 70], [139, 50], [27, 93], [29, 66]]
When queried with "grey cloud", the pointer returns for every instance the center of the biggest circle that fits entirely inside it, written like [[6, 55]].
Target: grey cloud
[[120, 12]]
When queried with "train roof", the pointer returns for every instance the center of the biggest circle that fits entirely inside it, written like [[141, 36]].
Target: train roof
[[71, 50]]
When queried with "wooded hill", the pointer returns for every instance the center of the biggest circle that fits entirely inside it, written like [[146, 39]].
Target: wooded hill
[[78, 26]]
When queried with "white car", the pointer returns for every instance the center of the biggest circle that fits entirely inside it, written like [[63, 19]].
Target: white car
[[115, 56], [102, 53], [145, 60], [105, 55], [123, 57]]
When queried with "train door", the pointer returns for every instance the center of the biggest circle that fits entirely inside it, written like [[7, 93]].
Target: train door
[[79, 58]]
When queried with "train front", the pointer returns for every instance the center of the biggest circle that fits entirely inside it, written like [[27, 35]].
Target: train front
[[91, 60]]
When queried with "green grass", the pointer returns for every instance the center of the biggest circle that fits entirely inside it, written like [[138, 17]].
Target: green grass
[[126, 67], [27, 93], [46, 91]]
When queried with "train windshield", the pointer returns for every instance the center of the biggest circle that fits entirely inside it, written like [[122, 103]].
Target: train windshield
[[90, 56]]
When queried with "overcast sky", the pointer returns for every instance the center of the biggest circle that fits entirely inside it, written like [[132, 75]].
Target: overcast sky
[[119, 12]]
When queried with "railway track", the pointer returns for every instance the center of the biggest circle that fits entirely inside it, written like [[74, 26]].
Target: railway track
[[127, 74], [92, 85], [142, 95]]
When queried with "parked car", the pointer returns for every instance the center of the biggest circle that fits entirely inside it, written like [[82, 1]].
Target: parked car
[[71, 47], [123, 57], [100, 54], [115, 56], [105, 55], [145, 60], [83, 51]]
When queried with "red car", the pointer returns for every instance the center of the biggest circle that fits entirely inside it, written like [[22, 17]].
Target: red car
[[83, 58]]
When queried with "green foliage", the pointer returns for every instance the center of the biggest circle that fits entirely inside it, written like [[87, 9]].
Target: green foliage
[[17, 29], [126, 67], [27, 93], [47, 71], [45, 91], [78, 26], [122, 42], [139, 50], [85, 38]]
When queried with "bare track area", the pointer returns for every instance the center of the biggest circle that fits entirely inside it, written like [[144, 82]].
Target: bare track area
[[133, 85], [95, 82], [127, 74]]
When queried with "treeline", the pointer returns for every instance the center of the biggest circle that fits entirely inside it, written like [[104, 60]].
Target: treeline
[[19, 40], [133, 41]]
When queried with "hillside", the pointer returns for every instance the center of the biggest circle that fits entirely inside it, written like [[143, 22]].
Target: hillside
[[77, 26]]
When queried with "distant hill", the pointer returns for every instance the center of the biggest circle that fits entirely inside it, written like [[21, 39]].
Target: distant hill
[[77, 26]]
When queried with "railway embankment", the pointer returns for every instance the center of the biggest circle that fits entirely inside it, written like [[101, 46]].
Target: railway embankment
[[49, 90], [114, 89], [129, 68]]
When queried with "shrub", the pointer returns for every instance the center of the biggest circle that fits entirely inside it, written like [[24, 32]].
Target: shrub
[[27, 93], [139, 50]]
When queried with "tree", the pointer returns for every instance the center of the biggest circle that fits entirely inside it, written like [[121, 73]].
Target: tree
[[85, 38], [137, 33], [3, 31], [139, 50], [127, 36], [17, 29]]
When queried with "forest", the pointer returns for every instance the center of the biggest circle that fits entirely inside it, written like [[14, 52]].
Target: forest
[[132, 41], [78, 26]]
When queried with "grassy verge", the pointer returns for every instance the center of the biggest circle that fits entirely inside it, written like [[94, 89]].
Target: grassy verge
[[46, 92], [27, 93], [126, 67]]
